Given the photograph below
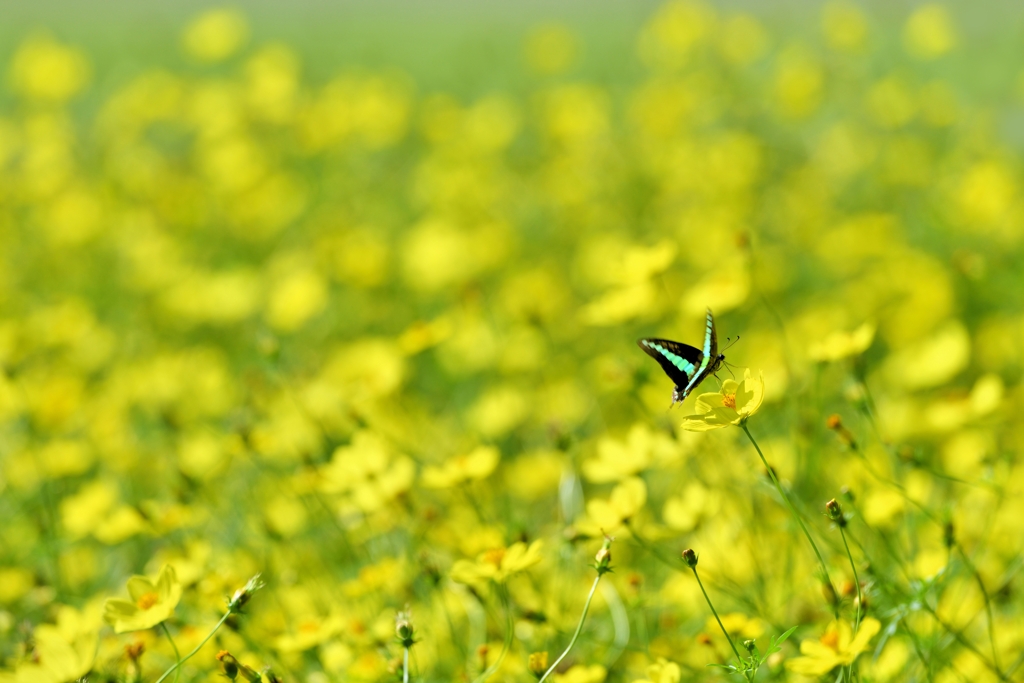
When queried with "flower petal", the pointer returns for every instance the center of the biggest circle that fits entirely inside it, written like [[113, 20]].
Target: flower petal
[[628, 497], [868, 628], [697, 423], [168, 587], [139, 586], [708, 402], [749, 394]]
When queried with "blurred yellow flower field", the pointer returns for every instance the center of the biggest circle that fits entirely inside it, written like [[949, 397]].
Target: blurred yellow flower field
[[367, 344]]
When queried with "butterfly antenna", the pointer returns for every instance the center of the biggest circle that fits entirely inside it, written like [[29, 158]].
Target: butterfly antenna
[[729, 366], [731, 342]]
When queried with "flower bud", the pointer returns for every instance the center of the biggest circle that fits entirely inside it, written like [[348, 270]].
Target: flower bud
[[481, 653], [835, 423], [750, 645], [949, 534], [404, 629], [244, 594], [834, 512], [538, 664], [690, 558], [228, 664], [232, 668], [603, 559], [133, 653]]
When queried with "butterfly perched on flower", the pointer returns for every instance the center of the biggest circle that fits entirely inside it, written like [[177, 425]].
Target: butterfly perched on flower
[[685, 365]]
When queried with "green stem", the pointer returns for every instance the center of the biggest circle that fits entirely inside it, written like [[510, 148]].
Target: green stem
[[947, 627], [856, 580], [720, 625], [962, 639], [653, 550], [799, 519], [405, 666], [988, 604], [503, 594], [197, 648], [576, 635], [177, 655]]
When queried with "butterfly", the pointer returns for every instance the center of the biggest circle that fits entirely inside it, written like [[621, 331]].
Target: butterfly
[[686, 365]]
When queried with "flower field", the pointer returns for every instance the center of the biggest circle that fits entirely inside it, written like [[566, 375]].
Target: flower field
[[331, 374]]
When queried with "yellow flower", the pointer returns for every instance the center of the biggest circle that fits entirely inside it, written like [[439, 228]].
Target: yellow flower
[[478, 464], [839, 345], [662, 672], [609, 516], [617, 459], [538, 663], [582, 673], [837, 647], [929, 32], [151, 603], [367, 474], [45, 70], [308, 632], [63, 652], [498, 564], [215, 35], [731, 406]]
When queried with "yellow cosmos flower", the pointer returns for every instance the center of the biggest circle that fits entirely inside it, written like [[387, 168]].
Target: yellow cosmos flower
[[476, 465], [662, 672], [151, 602], [610, 516], [839, 345], [838, 647], [730, 406], [497, 565], [63, 652], [582, 673]]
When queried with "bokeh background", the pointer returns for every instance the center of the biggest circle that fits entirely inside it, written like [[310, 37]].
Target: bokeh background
[[347, 292]]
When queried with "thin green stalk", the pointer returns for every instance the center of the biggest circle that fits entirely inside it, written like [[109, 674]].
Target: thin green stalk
[[957, 635], [197, 648], [405, 666], [503, 594], [653, 550], [988, 603], [856, 580], [675, 565], [177, 655], [720, 625], [576, 635], [799, 519], [962, 639]]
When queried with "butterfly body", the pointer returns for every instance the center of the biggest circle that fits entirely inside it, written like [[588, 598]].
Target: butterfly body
[[686, 365]]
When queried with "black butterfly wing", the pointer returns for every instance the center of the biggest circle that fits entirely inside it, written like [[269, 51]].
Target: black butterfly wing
[[679, 361]]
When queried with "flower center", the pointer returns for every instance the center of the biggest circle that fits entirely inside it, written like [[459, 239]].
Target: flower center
[[494, 556], [147, 600], [729, 401], [831, 640]]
